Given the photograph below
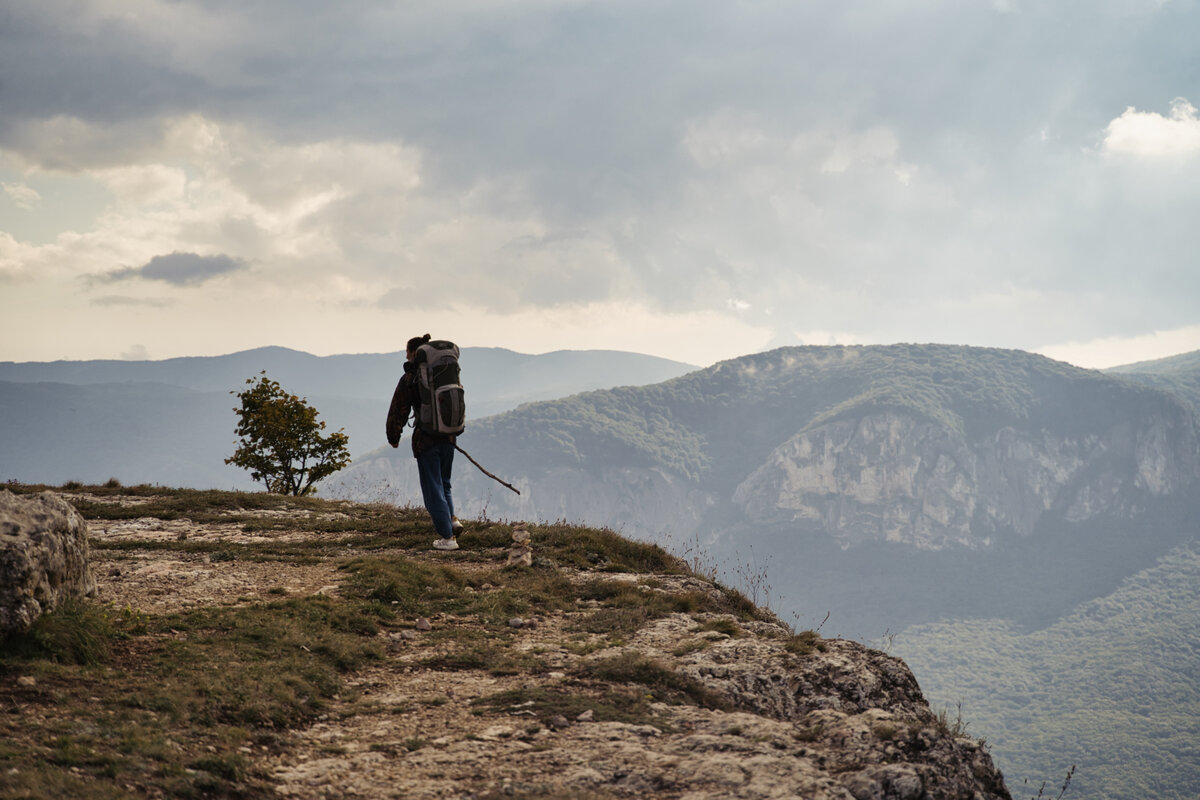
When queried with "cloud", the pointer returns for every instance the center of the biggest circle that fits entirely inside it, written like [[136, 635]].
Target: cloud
[[22, 196], [879, 171], [1113, 351], [1149, 134], [179, 269], [121, 301], [136, 352]]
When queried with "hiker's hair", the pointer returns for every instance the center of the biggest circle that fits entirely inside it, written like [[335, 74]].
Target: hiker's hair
[[416, 342]]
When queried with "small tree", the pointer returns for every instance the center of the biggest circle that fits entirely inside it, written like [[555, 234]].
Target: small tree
[[281, 442]]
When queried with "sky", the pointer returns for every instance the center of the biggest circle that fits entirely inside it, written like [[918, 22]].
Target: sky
[[694, 179]]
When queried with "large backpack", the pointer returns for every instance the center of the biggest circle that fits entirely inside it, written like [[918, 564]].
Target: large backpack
[[443, 405]]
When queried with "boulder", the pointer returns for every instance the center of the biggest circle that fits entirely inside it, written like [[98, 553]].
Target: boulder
[[43, 558]]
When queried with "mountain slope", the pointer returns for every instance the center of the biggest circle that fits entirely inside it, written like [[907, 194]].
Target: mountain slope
[[1179, 374]]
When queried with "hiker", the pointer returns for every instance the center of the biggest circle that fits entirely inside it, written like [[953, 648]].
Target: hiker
[[434, 451]]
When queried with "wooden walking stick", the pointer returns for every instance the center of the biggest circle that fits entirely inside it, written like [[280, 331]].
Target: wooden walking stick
[[484, 471]]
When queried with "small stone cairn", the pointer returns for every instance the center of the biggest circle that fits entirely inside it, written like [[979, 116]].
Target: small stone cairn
[[520, 553]]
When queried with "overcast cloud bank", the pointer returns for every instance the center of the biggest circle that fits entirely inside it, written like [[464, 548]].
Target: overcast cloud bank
[[694, 180]]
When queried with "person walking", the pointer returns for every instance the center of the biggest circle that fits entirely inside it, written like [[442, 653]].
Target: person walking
[[434, 451]]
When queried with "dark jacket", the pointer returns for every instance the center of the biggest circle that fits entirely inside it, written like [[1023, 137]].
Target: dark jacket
[[406, 400]]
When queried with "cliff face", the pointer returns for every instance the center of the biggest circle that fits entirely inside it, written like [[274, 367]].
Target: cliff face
[[891, 476], [838, 722]]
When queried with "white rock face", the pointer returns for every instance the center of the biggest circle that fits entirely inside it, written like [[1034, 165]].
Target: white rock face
[[43, 557], [889, 476]]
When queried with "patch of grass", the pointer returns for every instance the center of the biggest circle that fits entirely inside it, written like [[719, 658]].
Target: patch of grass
[[719, 625], [602, 550], [77, 632], [166, 703], [490, 654], [811, 733], [884, 732], [804, 643], [416, 589], [518, 592], [667, 684], [688, 648], [607, 704], [300, 552], [410, 587], [626, 608], [49, 782], [229, 767], [614, 622], [950, 727]]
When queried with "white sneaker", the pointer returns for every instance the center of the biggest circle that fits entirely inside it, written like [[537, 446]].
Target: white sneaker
[[456, 526], [445, 544]]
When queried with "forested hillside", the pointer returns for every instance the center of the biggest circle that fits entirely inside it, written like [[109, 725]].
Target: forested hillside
[[1113, 687], [1178, 374], [713, 426]]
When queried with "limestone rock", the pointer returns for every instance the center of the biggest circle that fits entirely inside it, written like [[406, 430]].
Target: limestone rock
[[43, 557], [891, 476]]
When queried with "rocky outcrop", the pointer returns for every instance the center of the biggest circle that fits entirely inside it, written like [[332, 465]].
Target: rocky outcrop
[[43, 558], [892, 476], [869, 731], [838, 721]]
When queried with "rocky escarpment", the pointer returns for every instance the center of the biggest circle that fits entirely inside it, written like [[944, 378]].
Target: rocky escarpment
[[893, 476], [839, 722], [617, 679]]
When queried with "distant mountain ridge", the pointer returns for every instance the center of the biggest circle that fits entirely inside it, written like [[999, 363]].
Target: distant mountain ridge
[[171, 421], [499, 378]]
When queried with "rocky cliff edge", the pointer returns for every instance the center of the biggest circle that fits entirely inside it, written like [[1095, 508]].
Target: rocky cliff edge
[[607, 669]]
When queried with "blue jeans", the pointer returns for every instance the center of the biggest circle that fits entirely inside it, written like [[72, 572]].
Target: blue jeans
[[433, 466]]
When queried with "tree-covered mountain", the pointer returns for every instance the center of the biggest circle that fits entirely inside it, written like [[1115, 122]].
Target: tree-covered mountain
[[1178, 374], [171, 422]]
